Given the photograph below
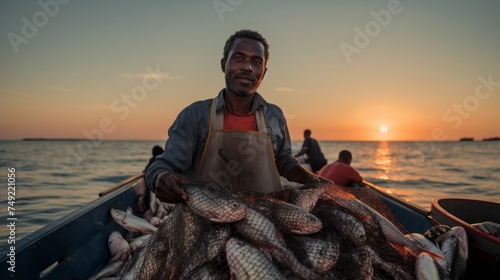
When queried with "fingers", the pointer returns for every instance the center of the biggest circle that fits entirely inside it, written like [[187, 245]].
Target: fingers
[[168, 187]]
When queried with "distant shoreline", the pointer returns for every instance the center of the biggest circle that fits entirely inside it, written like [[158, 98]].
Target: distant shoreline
[[464, 139]]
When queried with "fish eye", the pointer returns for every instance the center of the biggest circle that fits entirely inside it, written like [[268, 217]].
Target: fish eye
[[235, 204]]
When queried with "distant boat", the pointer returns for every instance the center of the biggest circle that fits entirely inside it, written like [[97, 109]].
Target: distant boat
[[466, 139], [492, 139]]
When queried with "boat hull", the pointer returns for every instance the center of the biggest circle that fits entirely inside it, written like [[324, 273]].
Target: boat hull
[[484, 249]]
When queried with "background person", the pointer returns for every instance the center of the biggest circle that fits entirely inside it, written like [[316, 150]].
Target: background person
[[314, 155], [156, 151], [341, 172]]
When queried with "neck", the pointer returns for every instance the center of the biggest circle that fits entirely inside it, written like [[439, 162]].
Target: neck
[[238, 104]]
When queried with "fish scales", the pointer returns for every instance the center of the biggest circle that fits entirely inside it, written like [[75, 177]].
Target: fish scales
[[391, 270], [454, 245], [208, 271], [207, 249], [157, 251], [262, 232], [288, 216], [211, 201], [318, 254], [363, 262], [305, 197], [247, 262]]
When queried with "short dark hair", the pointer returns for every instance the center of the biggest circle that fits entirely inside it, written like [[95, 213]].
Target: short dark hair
[[307, 132], [345, 156], [245, 33], [157, 150]]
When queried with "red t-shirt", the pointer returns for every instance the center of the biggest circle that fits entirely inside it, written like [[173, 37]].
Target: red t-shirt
[[235, 121], [340, 173]]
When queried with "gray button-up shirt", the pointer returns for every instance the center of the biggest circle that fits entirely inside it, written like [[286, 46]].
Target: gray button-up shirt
[[188, 135]]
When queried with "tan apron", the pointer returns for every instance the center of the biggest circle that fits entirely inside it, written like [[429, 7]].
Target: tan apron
[[240, 160]]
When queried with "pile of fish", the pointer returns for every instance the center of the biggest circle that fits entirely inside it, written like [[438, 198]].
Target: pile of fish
[[316, 231], [488, 227]]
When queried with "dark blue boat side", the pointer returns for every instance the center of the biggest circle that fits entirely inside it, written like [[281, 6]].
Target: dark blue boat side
[[74, 246]]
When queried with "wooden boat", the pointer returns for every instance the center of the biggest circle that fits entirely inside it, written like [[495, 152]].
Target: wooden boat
[[484, 249], [75, 246]]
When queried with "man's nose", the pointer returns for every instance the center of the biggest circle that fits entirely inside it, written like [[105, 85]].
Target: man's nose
[[247, 65]]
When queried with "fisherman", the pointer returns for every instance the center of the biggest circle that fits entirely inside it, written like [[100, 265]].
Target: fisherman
[[314, 155], [237, 139], [341, 171]]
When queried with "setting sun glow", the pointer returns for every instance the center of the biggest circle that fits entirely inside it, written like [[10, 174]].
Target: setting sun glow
[[383, 128]]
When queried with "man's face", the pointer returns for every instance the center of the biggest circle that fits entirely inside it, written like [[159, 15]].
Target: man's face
[[245, 66]]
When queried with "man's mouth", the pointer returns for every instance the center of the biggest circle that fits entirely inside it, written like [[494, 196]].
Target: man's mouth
[[245, 79]]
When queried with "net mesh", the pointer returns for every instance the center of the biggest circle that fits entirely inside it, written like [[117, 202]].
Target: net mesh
[[350, 244]]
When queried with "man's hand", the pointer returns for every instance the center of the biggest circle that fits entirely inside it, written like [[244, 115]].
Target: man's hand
[[167, 187], [311, 178]]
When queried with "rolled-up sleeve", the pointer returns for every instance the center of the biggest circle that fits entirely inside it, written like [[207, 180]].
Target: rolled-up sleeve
[[186, 138]]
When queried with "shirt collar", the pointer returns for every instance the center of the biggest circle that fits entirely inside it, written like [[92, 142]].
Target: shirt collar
[[258, 101]]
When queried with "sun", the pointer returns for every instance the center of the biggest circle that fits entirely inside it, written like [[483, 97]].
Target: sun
[[383, 128]]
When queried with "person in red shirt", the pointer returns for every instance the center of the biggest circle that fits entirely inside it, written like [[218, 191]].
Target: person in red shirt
[[341, 172]]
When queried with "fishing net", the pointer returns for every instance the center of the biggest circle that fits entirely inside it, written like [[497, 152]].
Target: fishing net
[[350, 242]]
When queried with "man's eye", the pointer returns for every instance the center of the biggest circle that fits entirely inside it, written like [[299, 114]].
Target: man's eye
[[257, 62], [237, 58]]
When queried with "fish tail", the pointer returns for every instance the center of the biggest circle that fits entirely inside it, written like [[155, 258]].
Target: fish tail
[[403, 250], [433, 255]]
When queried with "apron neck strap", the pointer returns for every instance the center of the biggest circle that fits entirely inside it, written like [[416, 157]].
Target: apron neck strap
[[217, 119]]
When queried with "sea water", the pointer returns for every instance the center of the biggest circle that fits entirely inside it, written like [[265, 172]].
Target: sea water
[[54, 178]]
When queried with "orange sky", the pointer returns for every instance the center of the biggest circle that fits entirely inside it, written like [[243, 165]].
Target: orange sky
[[428, 71]]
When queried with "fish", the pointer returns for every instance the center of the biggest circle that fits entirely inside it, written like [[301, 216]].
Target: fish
[[207, 250], [488, 227], [391, 269], [305, 197], [424, 242], [425, 268], [159, 250], [208, 271], [136, 243], [454, 245], [319, 254], [211, 201], [362, 262], [109, 269], [131, 222], [247, 262], [155, 221], [263, 233], [288, 216], [348, 226], [118, 246]]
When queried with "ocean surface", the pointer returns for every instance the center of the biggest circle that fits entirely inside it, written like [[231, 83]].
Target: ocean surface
[[54, 178]]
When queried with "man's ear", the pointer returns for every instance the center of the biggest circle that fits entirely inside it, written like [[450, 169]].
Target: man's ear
[[264, 75], [223, 65]]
